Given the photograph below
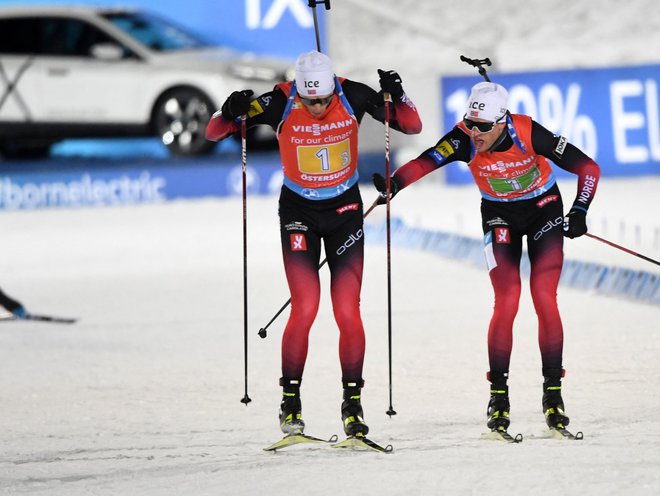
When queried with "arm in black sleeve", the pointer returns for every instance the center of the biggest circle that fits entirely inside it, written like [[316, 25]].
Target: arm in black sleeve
[[266, 109], [570, 158], [363, 99], [452, 147]]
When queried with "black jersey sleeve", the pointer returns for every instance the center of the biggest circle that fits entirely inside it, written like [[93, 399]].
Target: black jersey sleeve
[[267, 109], [359, 96], [571, 159], [557, 148], [364, 99], [455, 146]]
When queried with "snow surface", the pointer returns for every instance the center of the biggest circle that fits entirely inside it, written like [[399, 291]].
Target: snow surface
[[142, 395]]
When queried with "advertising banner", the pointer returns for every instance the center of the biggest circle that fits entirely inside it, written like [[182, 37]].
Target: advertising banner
[[281, 28], [610, 114], [93, 186]]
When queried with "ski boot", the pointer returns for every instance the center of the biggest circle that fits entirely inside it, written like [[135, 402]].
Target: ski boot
[[553, 404], [498, 405], [351, 409], [291, 421]]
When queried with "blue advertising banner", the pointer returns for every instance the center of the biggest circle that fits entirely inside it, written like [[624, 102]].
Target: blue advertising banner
[[91, 185], [611, 114], [282, 28], [65, 183]]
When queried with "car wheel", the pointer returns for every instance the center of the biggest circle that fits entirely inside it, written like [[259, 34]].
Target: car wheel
[[259, 138], [180, 119]]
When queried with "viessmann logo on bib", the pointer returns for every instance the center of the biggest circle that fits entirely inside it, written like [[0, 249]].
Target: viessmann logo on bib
[[317, 129]]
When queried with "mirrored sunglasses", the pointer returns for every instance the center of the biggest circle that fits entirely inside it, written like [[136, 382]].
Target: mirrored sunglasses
[[482, 127], [314, 101]]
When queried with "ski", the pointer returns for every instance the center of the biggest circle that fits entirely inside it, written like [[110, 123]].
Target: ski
[[361, 441], [293, 439], [502, 435], [563, 433], [41, 318]]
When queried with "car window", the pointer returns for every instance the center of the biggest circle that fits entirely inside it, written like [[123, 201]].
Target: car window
[[20, 36], [154, 32], [56, 36], [71, 37]]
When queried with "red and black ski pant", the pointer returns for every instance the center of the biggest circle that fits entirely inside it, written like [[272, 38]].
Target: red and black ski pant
[[504, 225], [338, 223]]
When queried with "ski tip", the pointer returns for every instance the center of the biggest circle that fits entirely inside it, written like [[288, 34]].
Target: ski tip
[[503, 435], [361, 441]]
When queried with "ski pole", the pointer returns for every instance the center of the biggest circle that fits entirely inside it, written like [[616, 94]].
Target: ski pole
[[313, 4], [479, 64], [246, 399], [627, 250], [388, 187], [263, 331], [40, 318]]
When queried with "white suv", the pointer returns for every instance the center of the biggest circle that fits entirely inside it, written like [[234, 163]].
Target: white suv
[[73, 72]]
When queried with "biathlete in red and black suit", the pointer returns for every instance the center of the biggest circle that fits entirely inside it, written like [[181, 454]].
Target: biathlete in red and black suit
[[507, 155], [316, 118]]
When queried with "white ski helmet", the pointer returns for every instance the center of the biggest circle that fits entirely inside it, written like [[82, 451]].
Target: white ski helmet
[[314, 75], [488, 101]]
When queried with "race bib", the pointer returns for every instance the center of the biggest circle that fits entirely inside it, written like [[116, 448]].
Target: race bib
[[323, 159], [520, 183]]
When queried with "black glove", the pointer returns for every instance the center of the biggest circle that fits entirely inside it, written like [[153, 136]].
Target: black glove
[[381, 185], [390, 81], [575, 223], [12, 305], [237, 104]]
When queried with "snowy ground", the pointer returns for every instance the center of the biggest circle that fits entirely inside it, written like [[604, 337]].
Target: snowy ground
[[142, 396]]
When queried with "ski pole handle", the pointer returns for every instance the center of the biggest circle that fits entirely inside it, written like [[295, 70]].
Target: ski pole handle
[[312, 4], [479, 64]]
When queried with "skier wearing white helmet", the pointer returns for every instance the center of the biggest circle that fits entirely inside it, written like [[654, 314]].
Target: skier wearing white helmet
[[509, 157], [316, 118]]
